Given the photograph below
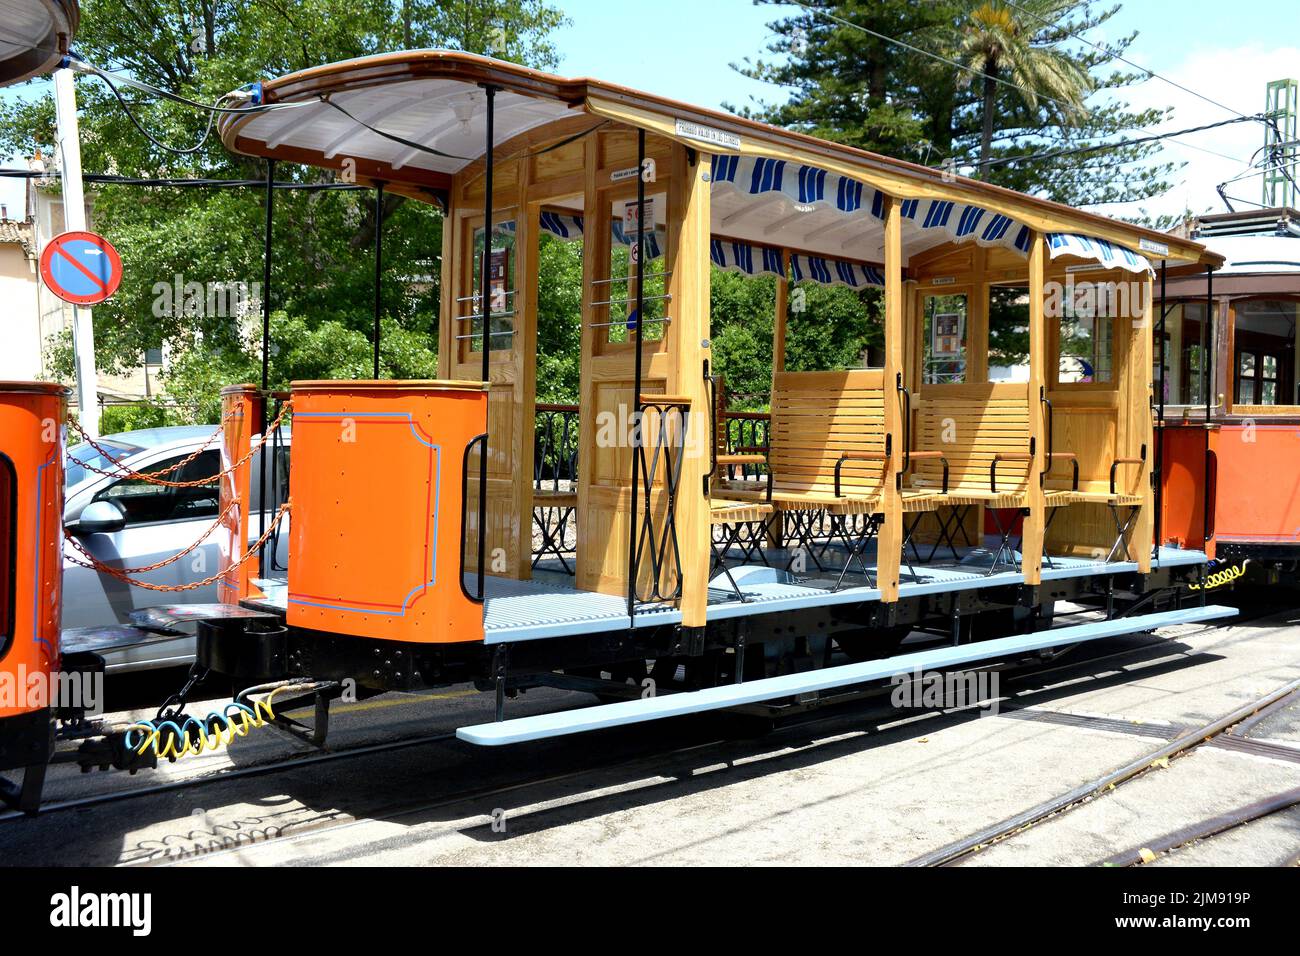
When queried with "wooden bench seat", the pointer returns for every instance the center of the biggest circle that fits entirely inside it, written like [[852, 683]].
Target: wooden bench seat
[[984, 433], [826, 443]]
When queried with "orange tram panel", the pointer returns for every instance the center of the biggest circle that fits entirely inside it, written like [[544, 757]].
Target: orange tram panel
[[32, 418], [378, 510]]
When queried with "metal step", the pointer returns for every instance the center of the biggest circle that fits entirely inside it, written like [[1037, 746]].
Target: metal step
[[599, 717]]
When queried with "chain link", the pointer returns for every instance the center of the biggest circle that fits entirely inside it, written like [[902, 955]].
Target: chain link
[[94, 564], [174, 705], [151, 477]]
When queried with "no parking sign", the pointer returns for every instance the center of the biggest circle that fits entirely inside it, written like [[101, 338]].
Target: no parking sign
[[81, 267]]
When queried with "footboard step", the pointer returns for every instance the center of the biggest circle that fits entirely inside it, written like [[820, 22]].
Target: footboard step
[[601, 716]]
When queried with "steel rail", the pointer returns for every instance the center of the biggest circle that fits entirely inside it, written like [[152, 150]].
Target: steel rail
[[1016, 670], [1081, 794]]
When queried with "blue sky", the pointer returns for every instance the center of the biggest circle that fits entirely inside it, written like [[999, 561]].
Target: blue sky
[[683, 48]]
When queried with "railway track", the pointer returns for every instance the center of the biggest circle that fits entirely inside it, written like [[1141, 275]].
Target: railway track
[[1053, 808], [214, 842], [1013, 670]]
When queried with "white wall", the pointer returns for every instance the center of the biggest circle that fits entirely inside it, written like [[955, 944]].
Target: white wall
[[20, 334]]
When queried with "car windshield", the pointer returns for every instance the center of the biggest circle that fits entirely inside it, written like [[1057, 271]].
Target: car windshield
[[82, 459]]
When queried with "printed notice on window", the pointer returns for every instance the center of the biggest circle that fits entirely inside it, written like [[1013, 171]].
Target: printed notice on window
[[707, 134]]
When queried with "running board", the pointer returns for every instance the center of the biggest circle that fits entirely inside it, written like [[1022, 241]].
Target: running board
[[558, 724]]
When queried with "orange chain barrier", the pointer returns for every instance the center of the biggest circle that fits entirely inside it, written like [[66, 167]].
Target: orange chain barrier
[[94, 564], [151, 477], [72, 539]]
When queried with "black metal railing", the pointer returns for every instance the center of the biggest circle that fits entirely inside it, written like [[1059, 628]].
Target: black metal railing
[[555, 484], [659, 453], [555, 447], [745, 433]]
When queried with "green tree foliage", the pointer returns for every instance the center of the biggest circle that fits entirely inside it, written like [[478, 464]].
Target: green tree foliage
[[322, 282], [850, 86], [828, 328], [997, 41]]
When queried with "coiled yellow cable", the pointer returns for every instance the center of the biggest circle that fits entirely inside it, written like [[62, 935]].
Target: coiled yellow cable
[[193, 736], [1220, 578]]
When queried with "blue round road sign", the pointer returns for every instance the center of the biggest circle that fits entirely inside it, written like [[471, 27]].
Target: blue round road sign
[[81, 267]]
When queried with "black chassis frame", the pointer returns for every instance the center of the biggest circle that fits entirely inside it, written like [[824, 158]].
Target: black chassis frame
[[378, 666]]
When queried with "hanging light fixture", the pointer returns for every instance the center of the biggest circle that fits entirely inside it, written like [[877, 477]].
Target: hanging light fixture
[[37, 34]]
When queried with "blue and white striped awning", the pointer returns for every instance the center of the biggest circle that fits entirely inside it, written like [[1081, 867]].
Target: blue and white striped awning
[[810, 186], [566, 227], [654, 247], [569, 228], [855, 275], [958, 222], [1099, 250], [743, 257]]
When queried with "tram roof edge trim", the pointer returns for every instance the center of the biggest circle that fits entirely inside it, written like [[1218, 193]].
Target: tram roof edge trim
[[665, 117]]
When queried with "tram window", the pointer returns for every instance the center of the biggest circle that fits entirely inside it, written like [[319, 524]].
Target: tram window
[[502, 285], [144, 502], [1265, 352], [620, 291], [1008, 334], [1191, 389], [8, 550], [1087, 349], [944, 337]]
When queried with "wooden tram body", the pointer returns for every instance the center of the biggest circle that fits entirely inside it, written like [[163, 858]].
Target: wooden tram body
[[734, 571], [1234, 421]]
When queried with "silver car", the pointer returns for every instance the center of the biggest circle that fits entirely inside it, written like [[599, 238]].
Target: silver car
[[129, 523]]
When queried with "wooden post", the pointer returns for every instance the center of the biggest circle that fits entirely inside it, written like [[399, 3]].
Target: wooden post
[[689, 331], [889, 551], [524, 357], [591, 551], [775, 532], [1031, 548], [447, 294], [1141, 433]]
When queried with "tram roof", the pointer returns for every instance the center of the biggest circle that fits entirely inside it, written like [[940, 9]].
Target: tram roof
[[416, 118], [36, 35]]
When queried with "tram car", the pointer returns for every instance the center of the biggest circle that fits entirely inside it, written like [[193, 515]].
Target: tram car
[[1229, 393], [704, 577]]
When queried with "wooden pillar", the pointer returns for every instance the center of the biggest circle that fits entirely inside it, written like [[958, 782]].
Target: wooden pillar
[[1031, 548], [889, 550], [447, 295], [524, 341], [1141, 433], [775, 532], [689, 333], [590, 550]]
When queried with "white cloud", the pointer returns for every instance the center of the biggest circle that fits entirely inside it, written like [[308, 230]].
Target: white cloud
[[1235, 77]]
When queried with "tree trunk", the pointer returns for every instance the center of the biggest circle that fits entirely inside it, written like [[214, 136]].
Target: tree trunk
[[986, 139]]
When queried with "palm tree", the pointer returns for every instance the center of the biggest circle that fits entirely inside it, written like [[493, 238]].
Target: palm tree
[[997, 41]]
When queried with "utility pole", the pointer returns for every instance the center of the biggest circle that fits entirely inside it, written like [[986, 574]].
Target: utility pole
[[74, 220]]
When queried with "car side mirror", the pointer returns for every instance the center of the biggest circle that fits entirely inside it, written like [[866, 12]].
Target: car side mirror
[[99, 517]]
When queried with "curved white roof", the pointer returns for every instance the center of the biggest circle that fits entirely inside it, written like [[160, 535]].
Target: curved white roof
[[1244, 255]]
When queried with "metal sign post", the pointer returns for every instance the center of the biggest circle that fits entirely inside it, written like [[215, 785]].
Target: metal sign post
[[74, 219]]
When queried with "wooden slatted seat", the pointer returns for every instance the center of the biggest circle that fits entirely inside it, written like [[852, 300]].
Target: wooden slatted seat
[[983, 431], [1057, 497], [827, 453], [736, 518]]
